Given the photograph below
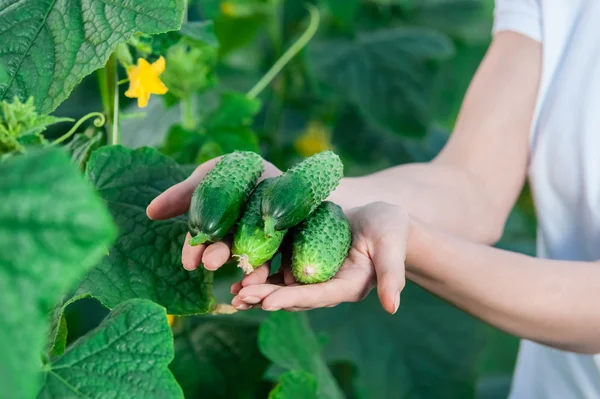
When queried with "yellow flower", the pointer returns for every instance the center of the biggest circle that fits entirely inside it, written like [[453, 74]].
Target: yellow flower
[[171, 319], [228, 9], [316, 138], [144, 80]]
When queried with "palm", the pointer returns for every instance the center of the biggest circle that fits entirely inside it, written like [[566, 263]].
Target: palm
[[365, 266]]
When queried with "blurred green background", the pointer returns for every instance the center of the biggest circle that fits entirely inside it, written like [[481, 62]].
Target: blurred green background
[[380, 83]]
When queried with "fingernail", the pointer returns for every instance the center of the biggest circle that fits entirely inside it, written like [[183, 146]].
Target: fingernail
[[251, 299], [271, 309], [242, 307], [397, 302]]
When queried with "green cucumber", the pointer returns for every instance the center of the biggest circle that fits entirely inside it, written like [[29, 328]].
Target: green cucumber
[[251, 246], [320, 244], [219, 199], [296, 193]]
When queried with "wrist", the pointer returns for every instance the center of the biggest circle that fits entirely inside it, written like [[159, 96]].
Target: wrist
[[417, 233]]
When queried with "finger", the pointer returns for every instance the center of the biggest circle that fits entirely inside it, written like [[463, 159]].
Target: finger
[[176, 199], [238, 304], [388, 258], [258, 276], [311, 296], [288, 276], [216, 255], [191, 257], [236, 287], [254, 294]]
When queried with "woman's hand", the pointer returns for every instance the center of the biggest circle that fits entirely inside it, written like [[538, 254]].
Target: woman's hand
[[176, 201], [376, 258]]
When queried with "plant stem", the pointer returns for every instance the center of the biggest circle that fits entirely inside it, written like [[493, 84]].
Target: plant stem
[[289, 54], [188, 120], [115, 137], [107, 80], [99, 122]]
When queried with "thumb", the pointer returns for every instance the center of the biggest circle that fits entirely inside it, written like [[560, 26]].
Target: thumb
[[388, 256]]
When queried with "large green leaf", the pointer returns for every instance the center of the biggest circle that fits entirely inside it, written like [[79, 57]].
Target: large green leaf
[[428, 349], [53, 228], [145, 261], [288, 340], [296, 384], [127, 355], [386, 73], [222, 351], [48, 46]]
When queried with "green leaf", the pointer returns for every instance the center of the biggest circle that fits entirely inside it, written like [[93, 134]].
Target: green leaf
[[386, 73], [202, 31], [53, 228], [82, 145], [295, 384], [56, 341], [287, 339], [127, 355], [222, 351], [343, 11], [145, 261], [49, 46], [428, 349], [182, 144], [235, 109]]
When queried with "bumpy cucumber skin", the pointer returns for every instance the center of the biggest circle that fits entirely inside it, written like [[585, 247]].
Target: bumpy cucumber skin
[[250, 244], [220, 197], [299, 191], [320, 244]]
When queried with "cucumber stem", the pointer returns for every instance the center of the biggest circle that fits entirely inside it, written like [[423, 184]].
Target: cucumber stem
[[269, 226], [200, 238]]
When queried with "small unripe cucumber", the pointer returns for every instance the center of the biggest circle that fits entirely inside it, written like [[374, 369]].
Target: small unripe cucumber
[[220, 197], [251, 246], [296, 193], [320, 244]]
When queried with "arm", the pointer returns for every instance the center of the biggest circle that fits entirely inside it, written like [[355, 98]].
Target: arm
[[471, 186], [548, 301]]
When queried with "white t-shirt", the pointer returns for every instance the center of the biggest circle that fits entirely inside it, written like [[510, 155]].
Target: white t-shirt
[[564, 171]]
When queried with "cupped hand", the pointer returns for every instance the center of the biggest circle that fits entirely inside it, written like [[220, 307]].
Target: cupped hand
[[176, 200], [376, 258]]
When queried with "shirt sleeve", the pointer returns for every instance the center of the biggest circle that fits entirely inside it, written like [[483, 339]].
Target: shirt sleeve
[[522, 16]]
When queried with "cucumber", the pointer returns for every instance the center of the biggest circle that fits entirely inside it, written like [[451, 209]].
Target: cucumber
[[320, 244], [219, 199], [251, 246], [298, 192]]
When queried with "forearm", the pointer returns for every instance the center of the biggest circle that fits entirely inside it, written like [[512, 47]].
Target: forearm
[[548, 301], [441, 195]]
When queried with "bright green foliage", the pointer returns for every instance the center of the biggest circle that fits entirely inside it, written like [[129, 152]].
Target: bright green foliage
[[251, 246], [321, 244], [21, 125], [225, 129], [196, 31], [300, 190], [288, 341], [127, 355], [217, 357], [48, 46], [296, 384], [53, 228], [386, 73], [343, 12], [83, 144], [190, 68], [219, 199], [145, 261], [400, 356], [56, 340]]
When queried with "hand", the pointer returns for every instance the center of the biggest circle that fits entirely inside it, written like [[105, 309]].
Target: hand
[[176, 201], [376, 258]]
